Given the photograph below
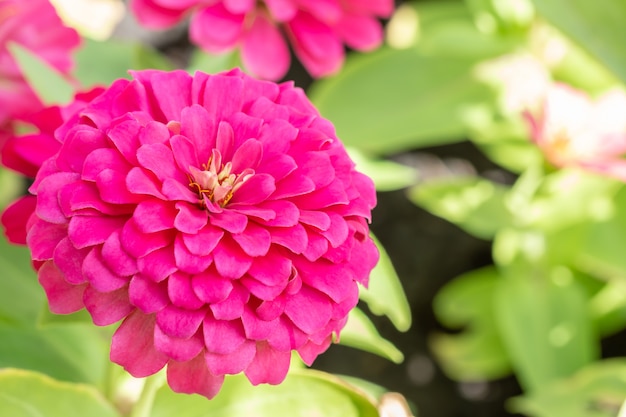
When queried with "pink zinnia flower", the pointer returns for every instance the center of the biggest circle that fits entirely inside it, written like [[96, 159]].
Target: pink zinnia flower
[[574, 130], [217, 215], [26, 153], [317, 30], [34, 25]]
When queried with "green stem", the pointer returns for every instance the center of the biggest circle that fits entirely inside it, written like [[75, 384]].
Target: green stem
[[143, 406]]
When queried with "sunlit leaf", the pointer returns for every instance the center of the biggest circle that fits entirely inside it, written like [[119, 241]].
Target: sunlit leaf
[[101, 62], [50, 86], [304, 393], [385, 295], [76, 353], [543, 320], [361, 333], [598, 390], [29, 394], [474, 204], [387, 175], [476, 353], [597, 26]]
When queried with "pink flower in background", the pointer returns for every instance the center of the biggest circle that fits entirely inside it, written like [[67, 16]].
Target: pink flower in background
[[574, 130], [26, 153], [218, 216], [317, 30], [34, 25]]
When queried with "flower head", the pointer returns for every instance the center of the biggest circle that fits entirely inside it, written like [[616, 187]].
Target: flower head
[[34, 25], [316, 30], [574, 130], [218, 216]]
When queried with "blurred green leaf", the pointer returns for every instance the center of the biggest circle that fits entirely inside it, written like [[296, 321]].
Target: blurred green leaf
[[597, 26], [545, 326], [392, 100], [502, 16], [213, 63], [387, 175], [46, 317], [477, 205], [21, 297], [75, 353], [361, 333], [29, 394], [385, 295], [50, 86], [102, 62], [304, 393], [146, 57], [598, 390], [608, 307], [477, 353]]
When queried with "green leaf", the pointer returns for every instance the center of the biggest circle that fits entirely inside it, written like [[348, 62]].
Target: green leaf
[[476, 353], [146, 57], [212, 63], [598, 390], [29, 394], [474, 204], [545, 326], [303, 393], [361, 333], [50, 86], [598, 26], [392, 100], [21, 297], [102, 62], [385, 295], [387, 175], [75, 353]]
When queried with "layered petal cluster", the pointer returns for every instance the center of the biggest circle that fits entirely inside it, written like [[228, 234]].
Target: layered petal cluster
[[34, 25], [26, 153], [317, 30], [218, 216], [575, 130]]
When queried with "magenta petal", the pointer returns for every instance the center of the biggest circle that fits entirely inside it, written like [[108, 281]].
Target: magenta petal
[[116, 258], [203, 242], [272, 269], [170, 91], [264, 50], [268, 366], [230, 261], [181, 292], [362, 33], [318, 219], [193, 377], [200, 129], [329, 278], [255, 240], [211, 287], [255, 190], [101, 159], [233, 362], [247, 155], [86, 231], [337, 233], [15, 217], [107, 308], [310, 351], [300, 304], [232, 307], [184, 153], [229, 220], [293, 238], [260, 290], [43, 238], [189, 262], [139, 244], [215, 29], [178, 349], [48, 207], [133, 346], [287, 213], [124, 138], [178, 322], [63, 298], [147, 295], [256, 328], [159, 159], [141, 181], [157, 265], [69, 260], [99, 275], [153, 216], [190, 219], [222, 336]]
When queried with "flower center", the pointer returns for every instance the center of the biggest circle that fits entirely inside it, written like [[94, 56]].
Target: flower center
[[216, 181]]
